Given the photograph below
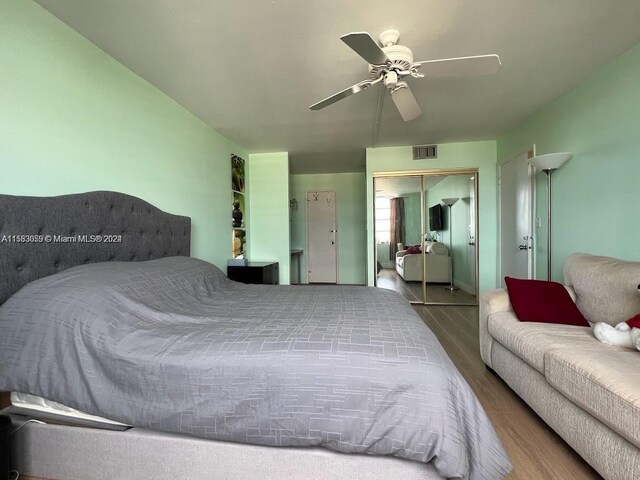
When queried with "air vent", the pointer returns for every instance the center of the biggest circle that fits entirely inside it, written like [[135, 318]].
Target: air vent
[[421, 152]]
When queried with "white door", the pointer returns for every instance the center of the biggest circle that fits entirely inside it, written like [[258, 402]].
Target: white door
[[516, 218], [322, 239]]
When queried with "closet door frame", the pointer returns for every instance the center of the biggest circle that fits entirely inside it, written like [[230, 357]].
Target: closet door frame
[[423, 207]]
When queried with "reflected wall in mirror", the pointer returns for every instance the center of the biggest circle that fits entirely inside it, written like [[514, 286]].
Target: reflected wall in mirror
[[450, 274], [426, 249], [398, 235]]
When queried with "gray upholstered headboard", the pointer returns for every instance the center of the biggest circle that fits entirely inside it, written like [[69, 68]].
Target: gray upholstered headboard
[[139, 231]]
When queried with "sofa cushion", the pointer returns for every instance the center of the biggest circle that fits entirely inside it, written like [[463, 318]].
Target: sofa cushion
[[606, 288], [605, 383], [530, 341], [541, 301], [436, 248]]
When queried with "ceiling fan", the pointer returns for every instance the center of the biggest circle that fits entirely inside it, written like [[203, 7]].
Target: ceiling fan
[[392, 63]]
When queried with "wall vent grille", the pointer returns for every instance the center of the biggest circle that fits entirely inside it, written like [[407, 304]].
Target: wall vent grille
[[420, 152]]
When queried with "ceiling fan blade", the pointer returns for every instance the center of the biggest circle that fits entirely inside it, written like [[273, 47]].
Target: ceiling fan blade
[[453, 67], [405, 102], [358, 87], [366, 47]]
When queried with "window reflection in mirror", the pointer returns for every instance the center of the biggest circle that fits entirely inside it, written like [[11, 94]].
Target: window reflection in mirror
[[398, 245]]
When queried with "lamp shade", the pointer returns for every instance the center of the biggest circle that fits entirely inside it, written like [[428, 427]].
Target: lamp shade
[[551, 161], [450, 201]]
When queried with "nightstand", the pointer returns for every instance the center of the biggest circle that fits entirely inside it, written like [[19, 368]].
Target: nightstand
[[254, 272]]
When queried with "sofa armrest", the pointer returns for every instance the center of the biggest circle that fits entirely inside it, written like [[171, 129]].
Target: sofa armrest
[[496, 301], [400, 253], [493, 301]]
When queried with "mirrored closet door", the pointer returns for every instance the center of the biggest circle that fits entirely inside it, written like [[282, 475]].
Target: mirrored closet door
[[450, 238], [398, 233], [426, 234]]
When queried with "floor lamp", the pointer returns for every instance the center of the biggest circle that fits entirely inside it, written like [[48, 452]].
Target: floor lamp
[[450, 202], [548, 164]]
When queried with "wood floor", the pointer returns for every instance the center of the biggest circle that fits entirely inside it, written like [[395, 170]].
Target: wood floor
[[388, 278], [536, 451]]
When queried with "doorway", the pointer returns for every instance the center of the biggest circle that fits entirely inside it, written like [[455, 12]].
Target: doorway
[[425, 235], [322, 236], [516, 217]]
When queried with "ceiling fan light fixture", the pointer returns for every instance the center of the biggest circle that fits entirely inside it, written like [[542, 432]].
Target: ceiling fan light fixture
[[391, 80], [389, 37]]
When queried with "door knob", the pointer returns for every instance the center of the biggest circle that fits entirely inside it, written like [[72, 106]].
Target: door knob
[[524, 247]]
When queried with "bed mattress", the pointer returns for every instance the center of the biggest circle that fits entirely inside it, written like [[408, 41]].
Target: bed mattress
[[173, 345]]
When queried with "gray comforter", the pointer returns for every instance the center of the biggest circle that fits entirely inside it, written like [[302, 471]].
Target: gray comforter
[[171, 344]]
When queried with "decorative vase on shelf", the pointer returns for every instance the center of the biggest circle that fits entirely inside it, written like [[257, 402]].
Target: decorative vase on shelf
[[236, 214]]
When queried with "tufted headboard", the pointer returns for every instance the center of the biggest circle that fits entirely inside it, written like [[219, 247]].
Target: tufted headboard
[[40, 236]]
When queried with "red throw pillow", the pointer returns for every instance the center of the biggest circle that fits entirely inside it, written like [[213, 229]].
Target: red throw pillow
[[541, 301], [413, 250], [634, 322]]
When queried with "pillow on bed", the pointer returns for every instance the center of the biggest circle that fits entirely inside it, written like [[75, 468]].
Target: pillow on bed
[[544, 302]]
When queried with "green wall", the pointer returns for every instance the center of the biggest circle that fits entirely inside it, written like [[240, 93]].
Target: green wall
[[350, 194], [412, 214], [268, 226], [596, 195], [451, 187], [383, 255], [73, 119], [480, 155]]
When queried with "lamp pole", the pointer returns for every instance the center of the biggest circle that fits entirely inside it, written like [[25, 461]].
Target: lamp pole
[[450, 202], [548, 164]]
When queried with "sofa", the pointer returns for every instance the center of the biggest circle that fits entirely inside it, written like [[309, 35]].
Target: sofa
[[438, 264], [587, 391]]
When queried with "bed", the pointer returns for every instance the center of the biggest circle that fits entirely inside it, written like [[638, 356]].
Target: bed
[[213, 371]]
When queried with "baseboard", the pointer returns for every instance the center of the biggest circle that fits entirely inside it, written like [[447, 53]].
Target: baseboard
[[463, 286]]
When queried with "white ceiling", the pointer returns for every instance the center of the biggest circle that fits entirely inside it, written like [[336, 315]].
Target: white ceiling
[[251, 68]]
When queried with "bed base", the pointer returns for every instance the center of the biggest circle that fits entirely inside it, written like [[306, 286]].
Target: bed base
[[77, 453]]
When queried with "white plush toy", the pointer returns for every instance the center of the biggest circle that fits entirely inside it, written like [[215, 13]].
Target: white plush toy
[[624, 334], [621, 335]]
